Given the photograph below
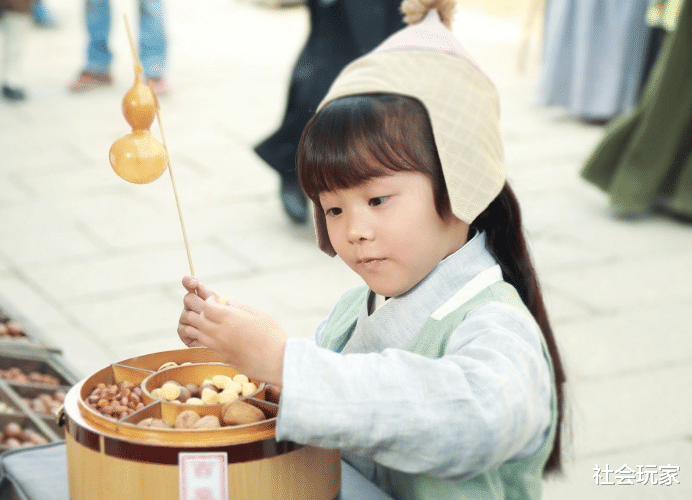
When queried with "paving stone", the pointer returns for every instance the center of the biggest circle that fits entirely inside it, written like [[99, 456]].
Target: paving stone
[[37, 214], [128, 316], [642, 281], [148, 342], [630, 410], [627, 342], [564, 309], [31, 302], [142, 271], [5, 267], [29, 246], [80, 350]]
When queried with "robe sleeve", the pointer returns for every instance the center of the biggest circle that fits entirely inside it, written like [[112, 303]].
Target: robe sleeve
[[486, 401]]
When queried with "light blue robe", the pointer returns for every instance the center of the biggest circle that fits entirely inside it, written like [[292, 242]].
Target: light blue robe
[[486, 401]]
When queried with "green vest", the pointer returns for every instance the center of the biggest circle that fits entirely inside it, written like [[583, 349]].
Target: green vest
[[517, 479]]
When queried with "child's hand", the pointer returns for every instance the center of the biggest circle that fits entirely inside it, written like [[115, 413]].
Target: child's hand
[[249, 340], [193, 303]]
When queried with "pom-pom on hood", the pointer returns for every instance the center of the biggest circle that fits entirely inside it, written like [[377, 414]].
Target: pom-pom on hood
[[415, 10]]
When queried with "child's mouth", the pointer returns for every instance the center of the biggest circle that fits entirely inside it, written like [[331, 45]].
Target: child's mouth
[[370, 264]]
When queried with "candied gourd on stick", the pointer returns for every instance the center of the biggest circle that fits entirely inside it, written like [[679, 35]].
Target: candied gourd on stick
[[139, 157]]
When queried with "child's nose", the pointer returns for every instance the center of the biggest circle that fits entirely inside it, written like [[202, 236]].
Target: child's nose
[[359, 229]]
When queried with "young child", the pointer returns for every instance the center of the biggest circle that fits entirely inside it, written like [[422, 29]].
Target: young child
[[440, 378]]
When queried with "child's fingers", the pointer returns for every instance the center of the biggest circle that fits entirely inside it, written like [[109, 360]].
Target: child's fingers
[[193, 285], [191, 336], [193, 302], [191, 318], [218, 313], [190, 283]]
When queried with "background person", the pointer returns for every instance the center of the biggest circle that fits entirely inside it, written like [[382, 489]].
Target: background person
[[644, 161], [340, 31], [594, 54], [152, 46]]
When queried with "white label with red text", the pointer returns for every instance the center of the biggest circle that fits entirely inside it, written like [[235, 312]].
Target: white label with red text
[[203, 476]]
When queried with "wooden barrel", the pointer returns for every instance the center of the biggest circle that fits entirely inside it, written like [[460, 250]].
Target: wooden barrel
[[113, 459]]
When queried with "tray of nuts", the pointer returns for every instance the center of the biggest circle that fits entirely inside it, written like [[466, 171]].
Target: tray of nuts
[[33, 369], [181, 396], [23, 379], [12, 330], [44, 403], [17, 431]]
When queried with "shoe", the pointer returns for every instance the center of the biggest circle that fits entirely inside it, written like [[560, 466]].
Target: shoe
[[664, 207], [294, 201], [13, 94], [87, 81], [595, 122], [160, 85]]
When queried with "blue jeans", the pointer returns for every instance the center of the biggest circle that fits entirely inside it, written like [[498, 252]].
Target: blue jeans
[[152, 37]]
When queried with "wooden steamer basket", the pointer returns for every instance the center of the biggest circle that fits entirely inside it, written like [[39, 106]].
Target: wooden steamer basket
[[115, 459]]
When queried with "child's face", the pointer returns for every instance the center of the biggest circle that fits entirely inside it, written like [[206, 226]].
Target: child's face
[[388, 231]]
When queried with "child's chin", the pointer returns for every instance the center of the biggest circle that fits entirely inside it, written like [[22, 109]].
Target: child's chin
[[385, 291]]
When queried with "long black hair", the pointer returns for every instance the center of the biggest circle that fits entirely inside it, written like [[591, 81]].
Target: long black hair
[[356, 138], [505, 239]]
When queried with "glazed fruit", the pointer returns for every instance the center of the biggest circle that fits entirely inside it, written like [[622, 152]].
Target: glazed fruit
[[138, 157], [139, 105]]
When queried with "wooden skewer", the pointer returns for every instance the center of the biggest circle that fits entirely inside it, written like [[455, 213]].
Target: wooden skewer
[[135, 57], [175, 190], [138, 69]]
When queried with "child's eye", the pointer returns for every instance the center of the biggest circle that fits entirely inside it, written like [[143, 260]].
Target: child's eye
[[332, 211], [378, 201]]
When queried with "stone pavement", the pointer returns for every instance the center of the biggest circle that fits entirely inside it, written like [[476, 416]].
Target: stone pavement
[[96, 263]]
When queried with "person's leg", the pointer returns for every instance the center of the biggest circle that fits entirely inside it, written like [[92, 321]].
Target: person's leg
[[152, 42], [96, 73], [98, 22], [15, 27]]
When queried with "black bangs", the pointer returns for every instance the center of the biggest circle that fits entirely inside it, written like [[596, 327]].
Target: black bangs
[[356, 138]]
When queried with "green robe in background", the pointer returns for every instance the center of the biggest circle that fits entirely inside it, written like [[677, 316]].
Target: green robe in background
[[644, 158]]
